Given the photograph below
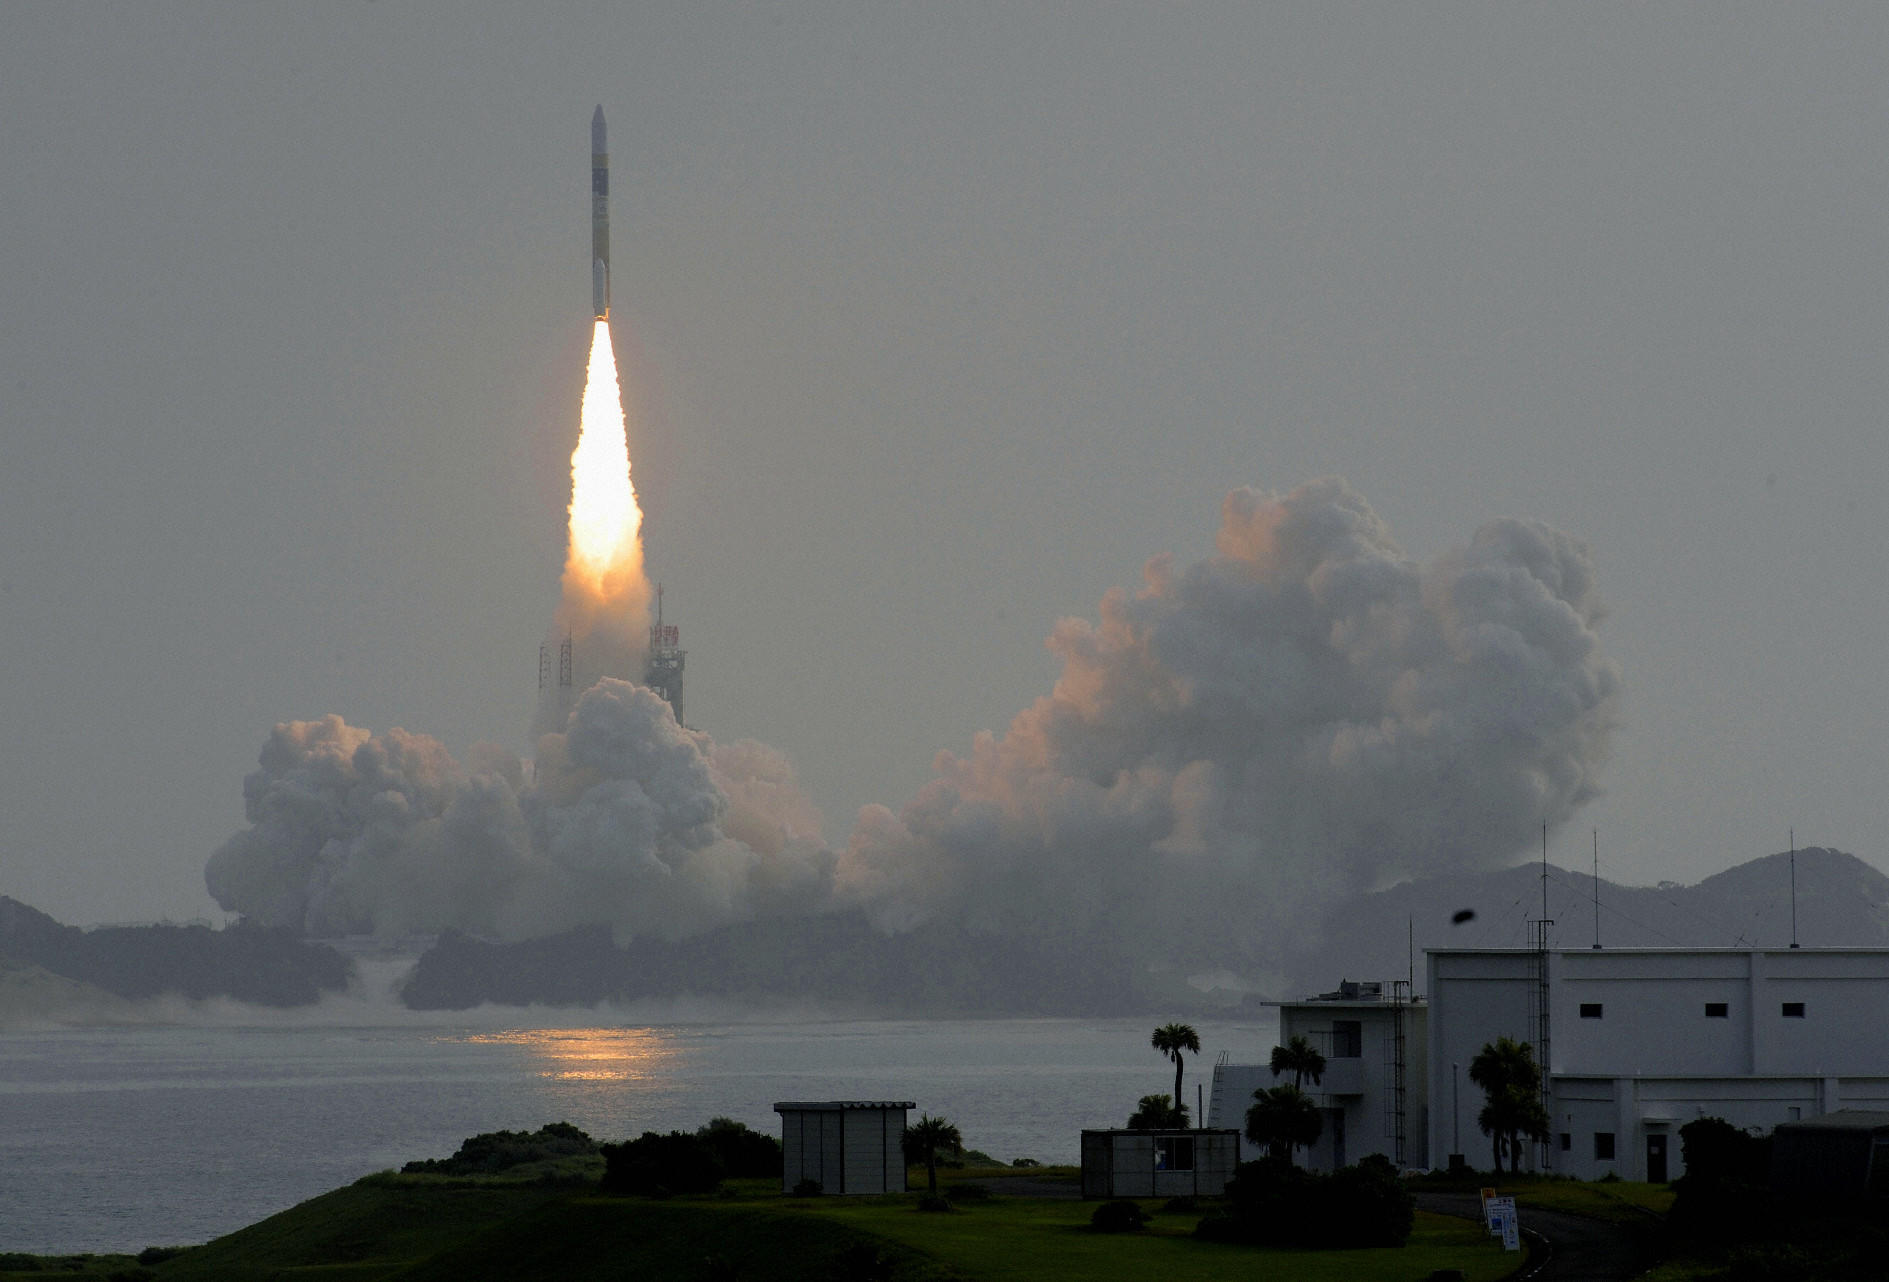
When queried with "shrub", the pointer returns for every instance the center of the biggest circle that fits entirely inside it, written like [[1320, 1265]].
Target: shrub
[[1024, 1161], [1119, 1216], [808, 1188], [159, 1254], [744, 1153], [1381, 1210], [968, 1193], [1716, 1152], [1271, 1203], [1724, 1196], [495, 1151], [655, 1165], [930, 1203], [1157, 1113], [1185, 1204]]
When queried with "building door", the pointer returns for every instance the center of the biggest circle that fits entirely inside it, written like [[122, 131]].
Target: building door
[[1656, 1158]]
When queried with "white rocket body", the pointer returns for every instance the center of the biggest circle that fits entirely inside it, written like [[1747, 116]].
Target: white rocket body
[[599, 219]]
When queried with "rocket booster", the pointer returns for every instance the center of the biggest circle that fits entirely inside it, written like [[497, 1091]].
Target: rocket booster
[[599, 219]]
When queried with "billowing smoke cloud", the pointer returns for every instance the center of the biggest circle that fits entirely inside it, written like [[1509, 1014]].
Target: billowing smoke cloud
[[628, 820], [1305, 714]]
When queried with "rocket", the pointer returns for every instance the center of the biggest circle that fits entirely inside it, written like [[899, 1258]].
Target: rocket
[[599, 219]]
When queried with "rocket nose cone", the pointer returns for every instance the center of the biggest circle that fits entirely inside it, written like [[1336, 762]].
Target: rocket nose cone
[[596, 130]]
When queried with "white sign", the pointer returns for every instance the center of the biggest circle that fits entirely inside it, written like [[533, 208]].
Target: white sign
[[1503, 1223]]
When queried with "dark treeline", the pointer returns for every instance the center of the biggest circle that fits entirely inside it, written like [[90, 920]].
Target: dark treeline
[[249, 963], [838, 958]]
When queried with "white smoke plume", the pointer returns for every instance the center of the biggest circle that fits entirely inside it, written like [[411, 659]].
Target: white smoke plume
[[1306, 714], [629, 821]]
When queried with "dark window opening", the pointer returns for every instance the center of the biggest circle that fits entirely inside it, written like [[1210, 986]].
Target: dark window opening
[[1567, 1142], [1603, 1146], [1793, 1010], [1717, 1010], [1347, 1038], [1174, 1153], [1590, 1010]]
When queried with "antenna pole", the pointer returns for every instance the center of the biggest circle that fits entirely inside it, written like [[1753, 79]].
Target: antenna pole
[[1544, 883], [1597, 888], [1793, 839]]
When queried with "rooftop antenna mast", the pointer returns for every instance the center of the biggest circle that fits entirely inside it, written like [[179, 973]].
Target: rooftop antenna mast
[[1597, 888], [1793, 840], [1544, 884]]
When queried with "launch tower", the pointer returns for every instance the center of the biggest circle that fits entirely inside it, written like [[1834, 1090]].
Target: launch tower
[[663, 672]]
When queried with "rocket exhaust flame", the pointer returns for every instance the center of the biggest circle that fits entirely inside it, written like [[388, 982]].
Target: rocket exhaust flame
[[606, 550], [603, 609]]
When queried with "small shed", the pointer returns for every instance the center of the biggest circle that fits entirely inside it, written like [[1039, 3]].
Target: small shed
[[1840, 1157], [847, 1146], [1167, 1163]]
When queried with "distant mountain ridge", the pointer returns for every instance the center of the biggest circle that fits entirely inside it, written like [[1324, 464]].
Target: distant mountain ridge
[[1841, 902], [939, 970], [248, 963]]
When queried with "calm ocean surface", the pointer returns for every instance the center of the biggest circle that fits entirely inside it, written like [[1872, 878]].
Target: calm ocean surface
[[120, 1138]]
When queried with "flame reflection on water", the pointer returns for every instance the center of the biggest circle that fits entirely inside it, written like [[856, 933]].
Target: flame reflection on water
[[588, 1054]]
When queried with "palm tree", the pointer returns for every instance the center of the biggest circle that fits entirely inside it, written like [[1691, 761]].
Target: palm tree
[[1299, 1058], [1507, 1072], [1157, 1113], [1283, 1118], [1172, 1040], [928, 1137]]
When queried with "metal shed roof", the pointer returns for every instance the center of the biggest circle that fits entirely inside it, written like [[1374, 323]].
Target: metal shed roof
[[834, 1105], [1844, 1119]]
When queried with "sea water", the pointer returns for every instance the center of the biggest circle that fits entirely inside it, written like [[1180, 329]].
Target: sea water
[[114, 1139]]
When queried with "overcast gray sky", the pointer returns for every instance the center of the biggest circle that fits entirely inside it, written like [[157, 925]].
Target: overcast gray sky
[[941, 320]]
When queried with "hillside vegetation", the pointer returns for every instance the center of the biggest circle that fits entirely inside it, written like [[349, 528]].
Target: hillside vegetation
[[430, 1228]]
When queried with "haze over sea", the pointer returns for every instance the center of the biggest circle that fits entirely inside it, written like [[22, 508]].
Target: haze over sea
[[114, 1139]]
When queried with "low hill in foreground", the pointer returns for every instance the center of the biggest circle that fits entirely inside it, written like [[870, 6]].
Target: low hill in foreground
[[247, 963], [436, 1229]]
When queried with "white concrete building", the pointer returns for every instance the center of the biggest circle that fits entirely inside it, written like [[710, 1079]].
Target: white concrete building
[[1640, 1041], [1373, 1095]]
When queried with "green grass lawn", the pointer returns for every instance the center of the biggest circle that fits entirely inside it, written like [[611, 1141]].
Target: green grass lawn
[[1047, 1240]]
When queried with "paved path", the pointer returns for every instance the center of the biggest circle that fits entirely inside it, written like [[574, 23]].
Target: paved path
[[1578, 1249]]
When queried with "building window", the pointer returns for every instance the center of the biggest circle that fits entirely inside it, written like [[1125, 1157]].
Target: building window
[[1717, 1010], [1347, 1038], [1174, 1153], [1793, 1010], [1567, 1142], [1590, 1010], [1797, 1112], [1603, 1146]]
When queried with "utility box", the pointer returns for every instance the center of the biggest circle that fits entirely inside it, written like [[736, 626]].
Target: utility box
[[1170, 1163], [847, 1146]]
